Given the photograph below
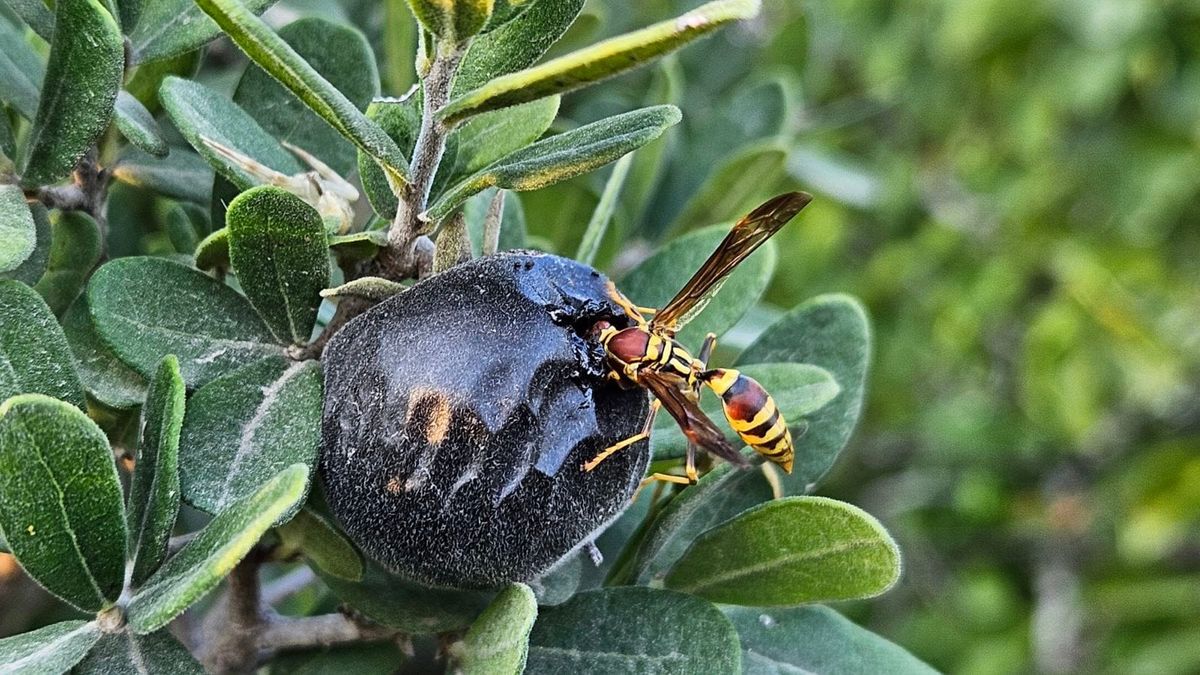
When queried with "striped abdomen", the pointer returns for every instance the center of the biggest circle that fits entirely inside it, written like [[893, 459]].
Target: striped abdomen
[[753, 415]]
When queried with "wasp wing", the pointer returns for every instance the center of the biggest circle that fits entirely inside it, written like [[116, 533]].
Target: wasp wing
[[695, 424], [746, 236]]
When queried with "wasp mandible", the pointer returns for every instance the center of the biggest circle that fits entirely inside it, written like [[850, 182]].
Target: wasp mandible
[[647, 355]]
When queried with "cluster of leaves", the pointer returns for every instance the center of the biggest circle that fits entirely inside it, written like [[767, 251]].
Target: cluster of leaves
[[170, 268], [1011, 190]]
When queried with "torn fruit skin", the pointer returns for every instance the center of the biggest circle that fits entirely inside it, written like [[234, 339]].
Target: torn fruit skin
[[458, 415]]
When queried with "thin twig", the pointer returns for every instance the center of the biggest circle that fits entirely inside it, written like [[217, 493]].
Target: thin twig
[[491, 224], [321, 631], [288, 585], [232, 628]]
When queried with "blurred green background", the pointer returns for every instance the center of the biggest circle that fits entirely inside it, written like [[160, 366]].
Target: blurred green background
[[1012, 189]]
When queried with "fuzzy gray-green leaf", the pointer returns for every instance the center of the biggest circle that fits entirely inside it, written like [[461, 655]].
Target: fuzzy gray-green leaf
[[212, 253], [18, 232], [342, 56], [180, 175], [735, 187], [199, 112], [199, 567], [517, 44], [127, 653], [21, 69], [242, 428], [322, 544], [493, 135], [597, 62], [498, 642], [830, 331], [815, 639], [61, 507], [104, 376], [273, 55], [788, 552], [87, 61], [633, 629], [48, 651], [146, 308], [29, 271], [563, 156], [37, 15], [34, 356], [169, 28], [401, 120], [277, 246], [397, 602], [74, 251], [154, 489], [137, 125]]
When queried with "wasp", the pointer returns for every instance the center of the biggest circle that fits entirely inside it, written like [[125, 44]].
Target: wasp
[[647, 355]]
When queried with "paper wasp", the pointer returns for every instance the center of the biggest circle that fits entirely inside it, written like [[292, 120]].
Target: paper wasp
[[647, 355]]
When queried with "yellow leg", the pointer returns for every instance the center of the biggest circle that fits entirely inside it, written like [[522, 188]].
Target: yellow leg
[[690, 477], [636, 438], [626, 304]]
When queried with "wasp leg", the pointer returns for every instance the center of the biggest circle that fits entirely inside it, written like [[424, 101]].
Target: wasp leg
[[626, 304], [706, 350], [690, 477], [636, 438]]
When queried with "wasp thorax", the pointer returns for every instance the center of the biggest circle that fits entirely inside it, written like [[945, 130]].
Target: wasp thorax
[[458, 415]]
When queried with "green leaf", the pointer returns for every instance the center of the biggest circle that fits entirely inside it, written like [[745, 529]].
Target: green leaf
[[498, 642], [8, 145], [356, 247], [60, 500], [74, 251], [35, 13], [400, 119], [799, 390], [666, 86], [493, 135], [397, 602], [180, 229], [374, 289], [169, 28], [199, 112], [273, 55], [127, 653], [31, 270], [323, 544], [512, 230], [154, 488], [34, 356], [597, 62], [199, 567], [146, 308], [48, 651], [21, 69], [633, 629], [180, 175], [18, 232], [815, 639], [602, 215], [87, 61], [342, 56], [212, 253], [138, 127], [830, 331], [563, 156], [277, 247], [790, 551], [242, 428], [719, 495], [656, 280], [744, 181], [517, 44], [103, 375]]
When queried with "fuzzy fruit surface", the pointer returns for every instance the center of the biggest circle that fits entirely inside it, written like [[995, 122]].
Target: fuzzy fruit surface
[[458, 415]]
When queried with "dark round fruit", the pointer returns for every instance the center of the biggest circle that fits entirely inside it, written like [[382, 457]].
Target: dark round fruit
[[458, 415]]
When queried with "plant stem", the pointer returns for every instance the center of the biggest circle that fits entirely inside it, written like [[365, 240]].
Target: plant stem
[[321, 631], [407, 226], [233, 627]]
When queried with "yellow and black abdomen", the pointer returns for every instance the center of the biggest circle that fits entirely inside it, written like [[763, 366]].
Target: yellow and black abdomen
[[753, 415]]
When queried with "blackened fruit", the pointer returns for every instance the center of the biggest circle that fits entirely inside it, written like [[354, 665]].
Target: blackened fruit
[[458, 415]]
